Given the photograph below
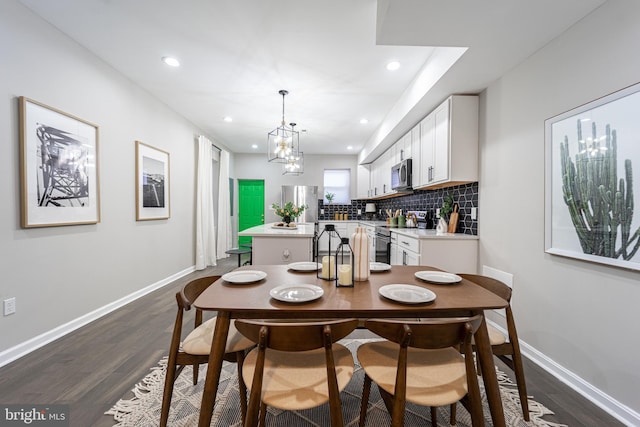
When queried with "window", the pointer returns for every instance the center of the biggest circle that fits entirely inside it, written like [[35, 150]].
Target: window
[[338, 182]]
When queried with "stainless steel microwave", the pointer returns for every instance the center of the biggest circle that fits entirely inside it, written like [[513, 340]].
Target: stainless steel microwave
[[401, 176]]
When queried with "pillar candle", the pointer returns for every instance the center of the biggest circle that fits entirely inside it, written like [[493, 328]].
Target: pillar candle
[[344, 274], [328, 266]]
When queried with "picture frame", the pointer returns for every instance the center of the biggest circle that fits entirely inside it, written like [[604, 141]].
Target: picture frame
[[152, 183], [59, 167], [591, 152]]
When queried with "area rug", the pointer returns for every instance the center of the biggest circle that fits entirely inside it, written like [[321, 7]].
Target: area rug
[[144, 408]]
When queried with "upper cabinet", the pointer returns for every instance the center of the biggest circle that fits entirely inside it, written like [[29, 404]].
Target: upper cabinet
[[449, 144], [363, 176]]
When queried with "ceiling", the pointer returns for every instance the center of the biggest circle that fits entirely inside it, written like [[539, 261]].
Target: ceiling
[[330, 55]]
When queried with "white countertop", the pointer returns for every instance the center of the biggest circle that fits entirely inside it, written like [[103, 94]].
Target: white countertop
[[302, 230], [421, 233]]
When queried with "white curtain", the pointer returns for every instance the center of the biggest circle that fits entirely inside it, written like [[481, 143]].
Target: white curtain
[[205, 221], [224, 213]]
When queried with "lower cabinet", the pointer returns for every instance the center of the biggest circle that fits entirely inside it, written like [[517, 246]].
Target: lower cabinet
[[403, 250], [451, 254], [280, 250]]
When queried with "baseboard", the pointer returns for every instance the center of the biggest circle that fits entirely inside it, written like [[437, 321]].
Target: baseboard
[[22, 349], [616, 409]]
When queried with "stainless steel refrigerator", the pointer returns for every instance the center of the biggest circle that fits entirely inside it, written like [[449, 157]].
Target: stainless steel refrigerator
[[302, 195]]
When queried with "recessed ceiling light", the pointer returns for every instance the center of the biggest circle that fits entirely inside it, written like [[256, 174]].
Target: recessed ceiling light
[[393, 65], [364, 121], [173, 62], [349, 147], [228, 119], [254, 146]]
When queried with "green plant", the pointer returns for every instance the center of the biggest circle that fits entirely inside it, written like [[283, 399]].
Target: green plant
[[599, 204], [447, 206], [289, 209], [329, 197]]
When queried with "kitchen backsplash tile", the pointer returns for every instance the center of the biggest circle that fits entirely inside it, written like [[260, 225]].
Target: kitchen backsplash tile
[[466, 196]]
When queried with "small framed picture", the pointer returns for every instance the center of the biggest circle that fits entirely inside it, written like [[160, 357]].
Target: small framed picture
[[152, 183], [58, 167]]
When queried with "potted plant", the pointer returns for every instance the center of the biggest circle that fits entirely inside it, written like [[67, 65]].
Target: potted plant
[[445, 211], [329, 197], [288, 212]]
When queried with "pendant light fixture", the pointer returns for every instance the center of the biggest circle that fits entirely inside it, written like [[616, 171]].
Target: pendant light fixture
[[282, 140], [295, 160]]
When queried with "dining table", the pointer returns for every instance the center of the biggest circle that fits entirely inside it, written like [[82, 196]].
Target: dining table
[[256, 292]]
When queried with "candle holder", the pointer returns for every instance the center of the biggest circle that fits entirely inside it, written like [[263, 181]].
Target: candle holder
[[344, 264], [325, 252]]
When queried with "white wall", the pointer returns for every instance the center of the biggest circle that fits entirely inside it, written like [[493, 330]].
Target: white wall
[[255, 166], [59, 274], [577, 314]]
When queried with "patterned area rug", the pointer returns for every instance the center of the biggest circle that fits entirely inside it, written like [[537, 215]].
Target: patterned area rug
[[144, 408]]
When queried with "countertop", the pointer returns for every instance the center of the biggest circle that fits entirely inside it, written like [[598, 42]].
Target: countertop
[[302, 230], [418, 233]]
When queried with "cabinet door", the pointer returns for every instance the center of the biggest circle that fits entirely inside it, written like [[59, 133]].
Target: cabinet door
[[395, 255], [363, 185], [415, 155], [441, 143], [411, 258], [427, 142], [386, 172]]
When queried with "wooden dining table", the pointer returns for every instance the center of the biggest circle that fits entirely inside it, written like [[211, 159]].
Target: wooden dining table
[[363, 301]]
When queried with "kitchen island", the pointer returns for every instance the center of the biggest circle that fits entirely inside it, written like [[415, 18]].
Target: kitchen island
[[281, 245]]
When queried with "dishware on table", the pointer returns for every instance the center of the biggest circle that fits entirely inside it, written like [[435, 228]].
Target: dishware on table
[[376, 267], [244, 276], [296, 293], [407, 294], [305, 266], [439, 277]]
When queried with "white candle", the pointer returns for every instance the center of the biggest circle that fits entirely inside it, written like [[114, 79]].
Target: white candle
[[328, 266], [344, 274]]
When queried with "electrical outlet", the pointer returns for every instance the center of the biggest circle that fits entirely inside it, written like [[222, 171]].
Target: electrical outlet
[[474, 213], [9, 306], [321, 211], [438, 213], [359, 211]]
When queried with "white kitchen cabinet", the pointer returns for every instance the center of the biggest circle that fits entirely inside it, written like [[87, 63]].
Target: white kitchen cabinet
[[449, 144], [277, 250], [402, 149], [323, 241], [416, 170], [452, 255], [407, 251], [387, 164], [371, 234], [363, 181]]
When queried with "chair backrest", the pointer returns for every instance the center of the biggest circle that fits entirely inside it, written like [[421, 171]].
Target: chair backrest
[[192, 290], [427, 333], [298, 336], [490, 284]]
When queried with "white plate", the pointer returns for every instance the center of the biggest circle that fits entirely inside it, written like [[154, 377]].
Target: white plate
[[378, 266], [283, 227], [408, 294], [244, 276], [296, 293], [305, 266], [438, 277]]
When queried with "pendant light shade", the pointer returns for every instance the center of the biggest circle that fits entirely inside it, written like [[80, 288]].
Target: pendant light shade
[[282, 140], [295, 160]]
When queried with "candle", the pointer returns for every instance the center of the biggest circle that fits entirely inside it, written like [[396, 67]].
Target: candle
[[328, 266], [344, 274]]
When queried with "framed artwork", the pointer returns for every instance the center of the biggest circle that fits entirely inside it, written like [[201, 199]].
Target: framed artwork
[[590, 185], [59, 182], [152, 183]]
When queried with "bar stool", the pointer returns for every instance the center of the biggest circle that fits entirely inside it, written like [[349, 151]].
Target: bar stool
[[239, 252], [250, 246]]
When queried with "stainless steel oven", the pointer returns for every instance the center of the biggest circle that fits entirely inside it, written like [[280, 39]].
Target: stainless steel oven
[[383, 244]]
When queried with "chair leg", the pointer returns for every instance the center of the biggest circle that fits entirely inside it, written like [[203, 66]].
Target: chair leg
[[263, 414], [518, 369], [168, 392], [434, 416], [196, 369], [366, 389], [452, 414], [242, 387]]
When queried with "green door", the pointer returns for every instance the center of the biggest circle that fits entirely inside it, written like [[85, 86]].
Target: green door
[[250, 205]]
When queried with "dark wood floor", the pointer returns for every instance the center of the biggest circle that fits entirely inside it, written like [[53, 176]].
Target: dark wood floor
[[100, 363]]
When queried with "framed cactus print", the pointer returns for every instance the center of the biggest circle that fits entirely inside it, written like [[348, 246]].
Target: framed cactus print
[[592, 164]]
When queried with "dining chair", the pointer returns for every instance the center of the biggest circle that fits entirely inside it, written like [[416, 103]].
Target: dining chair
[[427, 362], [296, 366], [197, 345], [505, 348]]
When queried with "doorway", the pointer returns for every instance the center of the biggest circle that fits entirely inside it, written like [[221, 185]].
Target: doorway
[[250, 206]]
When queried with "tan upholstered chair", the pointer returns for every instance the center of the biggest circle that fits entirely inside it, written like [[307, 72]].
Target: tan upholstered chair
[[296, 366], [506, 349], [421, 363], [197, 345]]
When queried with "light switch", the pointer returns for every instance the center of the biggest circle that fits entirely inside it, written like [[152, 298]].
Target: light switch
[[474, 213], [321, 211]]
